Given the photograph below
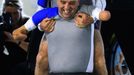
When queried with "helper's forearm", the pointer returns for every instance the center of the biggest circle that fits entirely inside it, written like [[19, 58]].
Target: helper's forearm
[[42, 3], [44, 13], [20, 33]]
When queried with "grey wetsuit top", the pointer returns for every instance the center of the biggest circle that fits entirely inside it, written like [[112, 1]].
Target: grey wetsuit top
[[69, 47]]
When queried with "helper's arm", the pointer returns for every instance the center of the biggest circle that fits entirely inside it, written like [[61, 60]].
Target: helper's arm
[[21, 33], [42, 3]]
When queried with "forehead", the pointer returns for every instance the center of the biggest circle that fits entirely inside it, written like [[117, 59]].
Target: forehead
[[11, 9]]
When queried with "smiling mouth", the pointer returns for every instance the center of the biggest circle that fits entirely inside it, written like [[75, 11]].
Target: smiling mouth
[[66, 12]]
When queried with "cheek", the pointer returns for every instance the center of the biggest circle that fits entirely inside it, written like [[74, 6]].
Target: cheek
[[60, 9], [73, 8]]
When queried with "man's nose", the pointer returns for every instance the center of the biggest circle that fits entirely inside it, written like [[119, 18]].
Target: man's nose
[[66, 6]]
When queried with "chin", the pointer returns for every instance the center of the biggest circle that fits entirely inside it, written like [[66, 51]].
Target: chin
[[66, 17]]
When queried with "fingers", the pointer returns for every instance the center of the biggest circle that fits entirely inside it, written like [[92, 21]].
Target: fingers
[[91, 20], [83, 20], [44, 23], [104, 15], [52, 27], [48, 25]]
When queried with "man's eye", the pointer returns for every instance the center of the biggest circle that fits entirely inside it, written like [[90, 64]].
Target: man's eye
[[72, 3]]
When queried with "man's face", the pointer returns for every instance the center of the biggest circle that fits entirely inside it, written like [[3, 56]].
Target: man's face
[[67, 8], [15, 13]]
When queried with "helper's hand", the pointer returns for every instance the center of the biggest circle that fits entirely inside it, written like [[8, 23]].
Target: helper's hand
[[47, 25], [104, 15], [83, 20]]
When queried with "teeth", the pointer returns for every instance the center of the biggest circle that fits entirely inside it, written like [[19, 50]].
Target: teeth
[[66, 11]]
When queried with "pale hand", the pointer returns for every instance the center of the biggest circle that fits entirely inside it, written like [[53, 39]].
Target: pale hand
[[83, 20]]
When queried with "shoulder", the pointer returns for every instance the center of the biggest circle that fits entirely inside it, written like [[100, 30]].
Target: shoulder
[[86, 2], [87, 8]]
